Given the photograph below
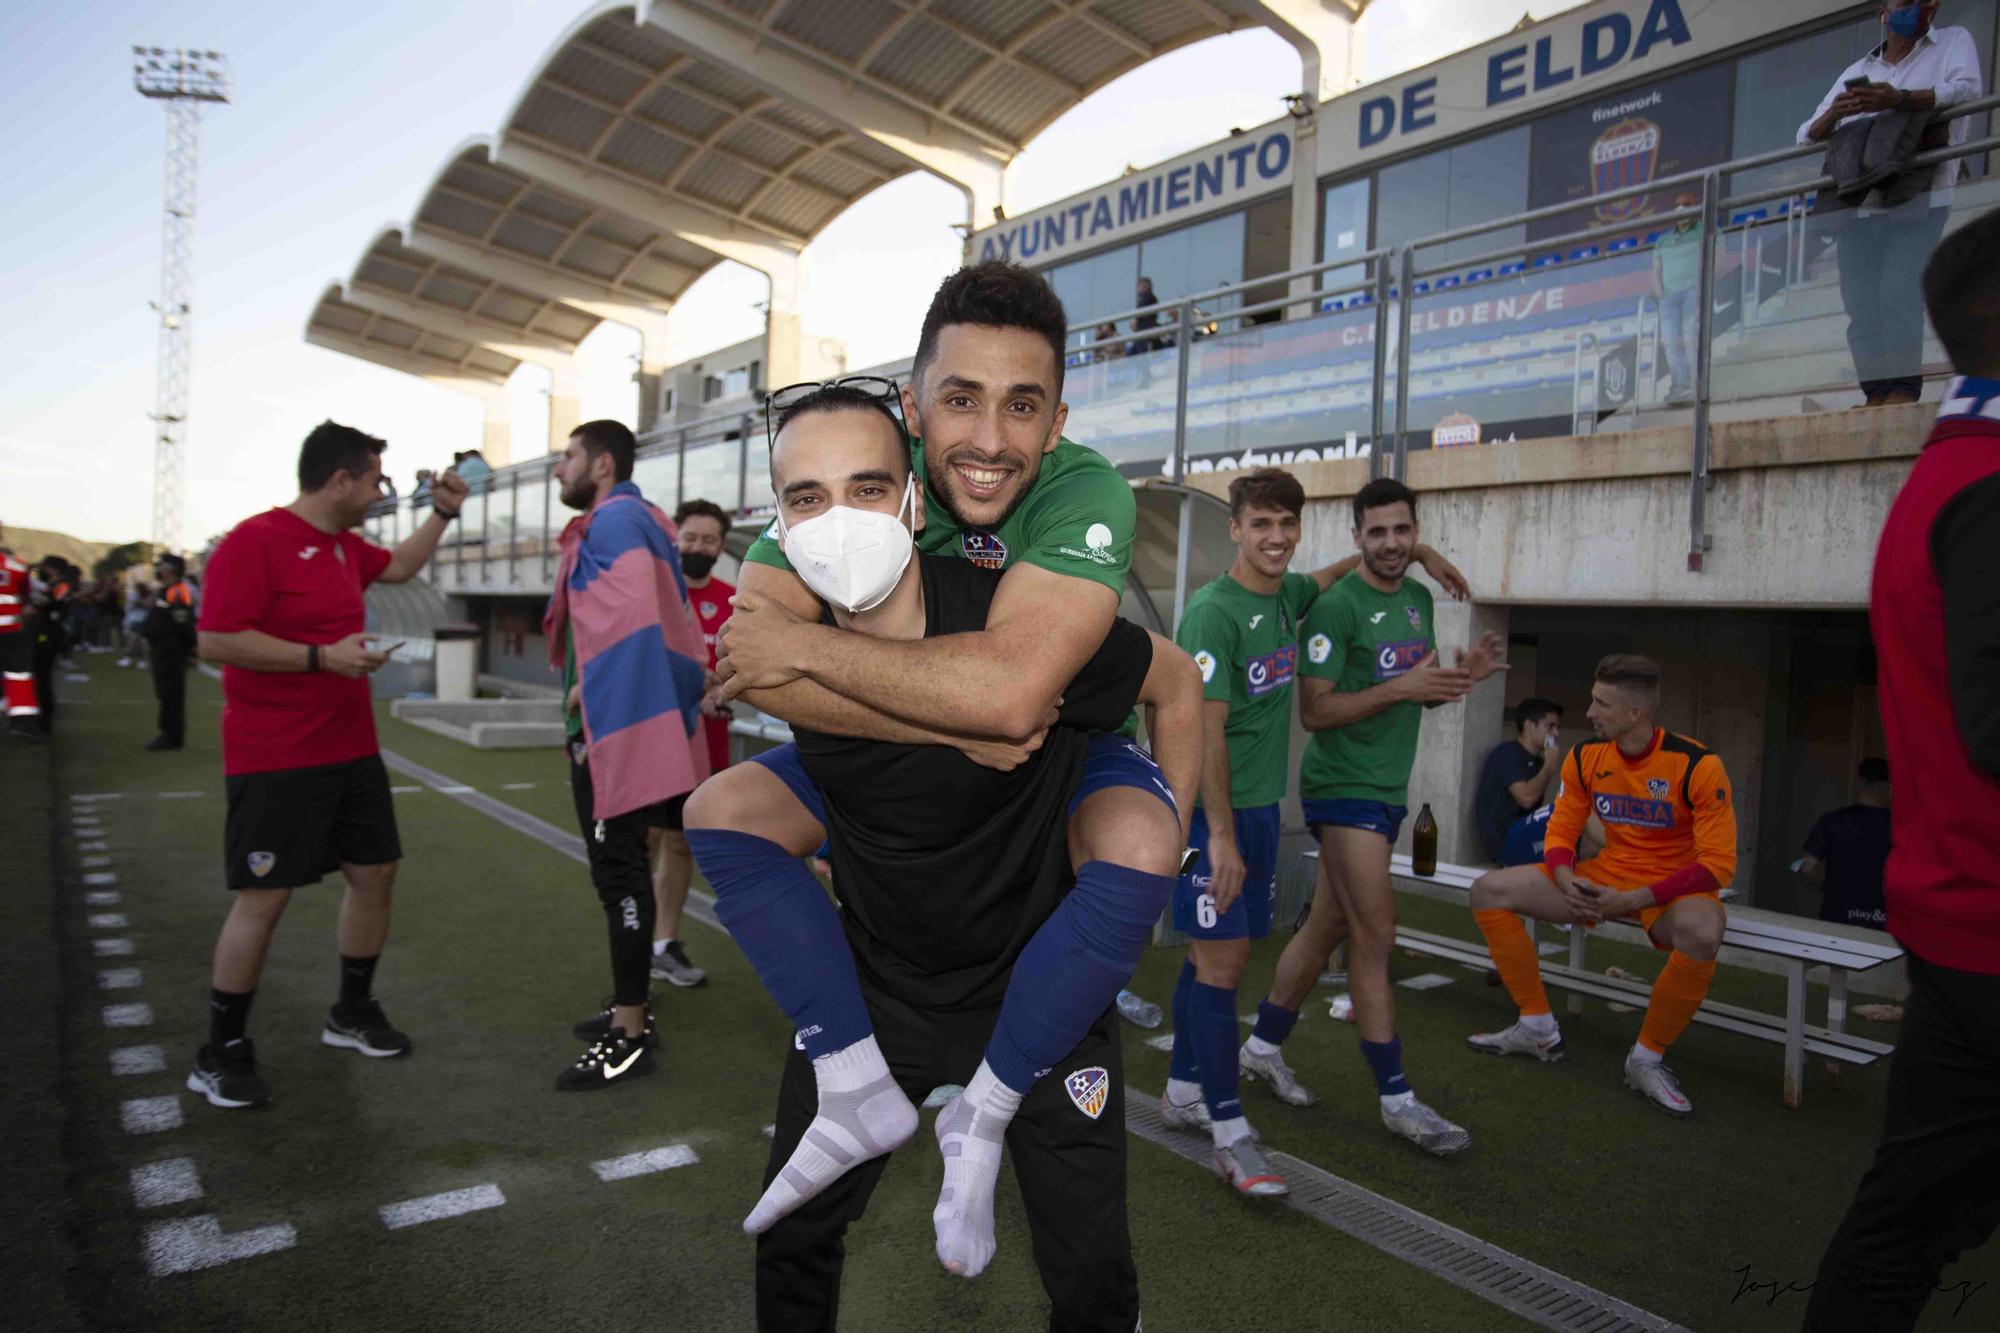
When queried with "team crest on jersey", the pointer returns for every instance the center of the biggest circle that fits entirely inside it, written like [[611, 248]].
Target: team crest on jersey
[[1090, 1089], [261, 863], [983, 549], [1416, 618], [1657, 788], [708, 610]]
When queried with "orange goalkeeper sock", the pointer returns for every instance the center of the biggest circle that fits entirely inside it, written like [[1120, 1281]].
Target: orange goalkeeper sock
[[1514, 957], [1682, 986]]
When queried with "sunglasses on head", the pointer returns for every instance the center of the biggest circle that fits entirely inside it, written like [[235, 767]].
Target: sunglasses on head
[[780, 401]]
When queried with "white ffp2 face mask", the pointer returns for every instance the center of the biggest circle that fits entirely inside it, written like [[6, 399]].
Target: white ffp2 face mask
[[852, 557]]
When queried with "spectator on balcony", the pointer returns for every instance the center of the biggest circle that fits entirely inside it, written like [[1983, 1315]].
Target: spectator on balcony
[[1847, 850], [1677, 285], [1106, 351], [1923, 69], [1144, 300]]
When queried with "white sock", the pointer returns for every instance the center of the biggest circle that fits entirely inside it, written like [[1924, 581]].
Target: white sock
[[1183, 1091], [1542, 1025], [1230, 1130], [862, 1114], [660, 947], [1256, 1045], [1401, 1101], [1641, 1056], [969, 1134]]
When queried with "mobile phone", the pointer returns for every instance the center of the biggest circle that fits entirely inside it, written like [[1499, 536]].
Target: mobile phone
[[1852, 84], [393, 647]]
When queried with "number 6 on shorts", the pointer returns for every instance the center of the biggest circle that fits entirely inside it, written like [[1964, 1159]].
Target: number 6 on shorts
[[1204, 911]]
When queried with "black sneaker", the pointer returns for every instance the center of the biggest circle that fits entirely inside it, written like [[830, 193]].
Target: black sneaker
[[611, 1059], [598, 1026], [364, 1028], [227, 1075]]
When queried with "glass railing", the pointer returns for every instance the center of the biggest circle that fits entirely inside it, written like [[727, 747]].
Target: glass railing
[[1524, 334]]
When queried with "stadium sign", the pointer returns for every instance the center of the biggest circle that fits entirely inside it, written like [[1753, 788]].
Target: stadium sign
[[1606, 43], [1243, 167]]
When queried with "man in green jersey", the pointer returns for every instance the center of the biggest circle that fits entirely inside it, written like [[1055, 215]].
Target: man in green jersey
[[1243, 630], [1370, 668]]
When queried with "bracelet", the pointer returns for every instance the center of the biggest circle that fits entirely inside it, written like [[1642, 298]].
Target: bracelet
[[312, 657]]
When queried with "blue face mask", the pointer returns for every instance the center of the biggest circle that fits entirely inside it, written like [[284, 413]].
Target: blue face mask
[[1907, 22]]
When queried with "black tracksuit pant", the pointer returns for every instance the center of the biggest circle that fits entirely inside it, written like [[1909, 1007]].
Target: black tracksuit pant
[[1933, 1191], [1070, 1167], [622, 873], [170, 688]]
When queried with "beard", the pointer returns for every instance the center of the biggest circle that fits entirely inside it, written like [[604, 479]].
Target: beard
[[581, 496], [1377, 567], [697, 564], [938, 480]]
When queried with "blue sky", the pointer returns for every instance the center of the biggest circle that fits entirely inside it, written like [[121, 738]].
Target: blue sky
[[342, 114]]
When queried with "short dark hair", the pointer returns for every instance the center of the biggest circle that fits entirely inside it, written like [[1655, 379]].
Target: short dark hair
[[606, 436], [844, 398], [169, 558], [1874, 770], [331, 448], [995, 295], [1962, 293], [1383, 491], [701, 509], [1530, 711], [1266, 488], [1629, 671]]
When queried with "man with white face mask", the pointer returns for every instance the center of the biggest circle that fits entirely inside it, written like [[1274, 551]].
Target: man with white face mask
[[961, 953]]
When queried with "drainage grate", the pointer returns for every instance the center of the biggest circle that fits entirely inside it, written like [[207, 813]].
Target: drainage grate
[[1535, 1293]]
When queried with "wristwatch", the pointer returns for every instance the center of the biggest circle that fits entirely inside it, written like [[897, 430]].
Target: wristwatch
[[1903, 99]]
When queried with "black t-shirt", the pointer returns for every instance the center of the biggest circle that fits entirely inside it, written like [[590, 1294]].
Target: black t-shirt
[[1495, 806], [944, 869], [1853, 844]]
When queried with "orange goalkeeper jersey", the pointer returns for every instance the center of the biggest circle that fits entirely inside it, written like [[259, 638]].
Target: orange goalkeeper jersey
[[1664, 812]]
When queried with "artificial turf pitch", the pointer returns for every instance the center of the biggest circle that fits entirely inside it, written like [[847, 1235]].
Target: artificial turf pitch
[[498, 947]]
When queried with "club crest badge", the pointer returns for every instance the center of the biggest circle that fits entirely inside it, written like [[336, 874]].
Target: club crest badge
[[1656, 788], [1416, 618], [261, 863], [1090, 1089]]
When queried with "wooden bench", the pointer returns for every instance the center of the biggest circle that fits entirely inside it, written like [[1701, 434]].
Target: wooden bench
[[1796, 947]]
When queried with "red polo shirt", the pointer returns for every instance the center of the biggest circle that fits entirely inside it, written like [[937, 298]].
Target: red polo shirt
[[711, 608], [279, 574]]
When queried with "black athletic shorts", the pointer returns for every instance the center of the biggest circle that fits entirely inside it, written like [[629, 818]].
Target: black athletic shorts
[[667, 813], [289, 827]]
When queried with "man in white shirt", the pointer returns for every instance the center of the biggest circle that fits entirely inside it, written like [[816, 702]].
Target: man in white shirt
[[1882, 251]]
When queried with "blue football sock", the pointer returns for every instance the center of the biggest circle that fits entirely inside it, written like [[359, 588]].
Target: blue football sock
[[1073, 968], [1214, 1012], [1183, 1066], [787, 927], [1385, 1059], [1274, 1022]]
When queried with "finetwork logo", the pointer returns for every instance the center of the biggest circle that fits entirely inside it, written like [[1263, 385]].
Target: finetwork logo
[[1097, 540]]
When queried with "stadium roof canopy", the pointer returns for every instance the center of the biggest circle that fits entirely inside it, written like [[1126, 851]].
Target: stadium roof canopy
[[394, 280], [342, 326]]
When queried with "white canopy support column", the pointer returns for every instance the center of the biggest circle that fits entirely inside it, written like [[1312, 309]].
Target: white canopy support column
[[948, 146], [565, 398], [1323, 32], [650, 375]]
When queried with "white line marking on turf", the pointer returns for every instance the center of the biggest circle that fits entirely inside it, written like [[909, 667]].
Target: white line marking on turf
[[403, 791], [101, 898], [1163, 1042], [94, 862], [516, 786], [180, 795], [157, 1184], [192, 1243], [645, 1163], [138, 1060], [99, 878], [113, 948], [437, 1207], [118, 978], [107, 921], [128, 1015], [770, 1131], [92, 846], [1428, 981], [454, 791], [150, 1115], [83, 797]]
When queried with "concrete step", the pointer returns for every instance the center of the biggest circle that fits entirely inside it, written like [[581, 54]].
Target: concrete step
[[465, 712], [498, 735]]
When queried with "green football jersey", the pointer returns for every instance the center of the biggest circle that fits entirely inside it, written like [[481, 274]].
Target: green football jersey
[[1357, 637], [1077, 518], [1247, 646]]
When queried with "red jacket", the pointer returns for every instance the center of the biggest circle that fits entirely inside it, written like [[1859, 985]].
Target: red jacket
[[1935, 612]]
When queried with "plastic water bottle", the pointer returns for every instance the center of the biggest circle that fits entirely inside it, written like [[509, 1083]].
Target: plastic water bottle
[[1424, 844]]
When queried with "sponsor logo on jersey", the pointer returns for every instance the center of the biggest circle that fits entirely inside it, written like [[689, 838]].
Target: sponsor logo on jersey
[[1634, 810], [261, 863], [1657, 788], [1098, 537], [309, 552], [1206, 661], [983, 549], [1376, 619], [1271, 671], [1256, 620], [1393, 659], [1416, 618], [1319, 648], [1090, 1089], [1096, 546]]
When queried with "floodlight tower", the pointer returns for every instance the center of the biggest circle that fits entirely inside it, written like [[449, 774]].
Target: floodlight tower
[[181, 79]]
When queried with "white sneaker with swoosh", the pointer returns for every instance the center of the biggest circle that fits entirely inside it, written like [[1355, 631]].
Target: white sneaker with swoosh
[[612, 1058]]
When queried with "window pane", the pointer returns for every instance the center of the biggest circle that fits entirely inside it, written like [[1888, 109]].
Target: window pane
[[1455, 187], [1343, 231], [1097, 286]]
